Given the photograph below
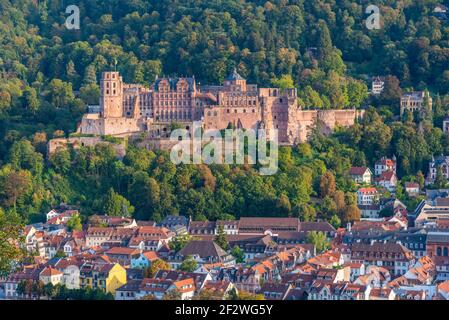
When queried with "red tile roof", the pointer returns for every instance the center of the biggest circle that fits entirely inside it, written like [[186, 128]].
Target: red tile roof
[[49, 271], [357, 171]]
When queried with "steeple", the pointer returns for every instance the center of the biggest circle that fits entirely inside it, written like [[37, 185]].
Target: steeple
[[234, 75]]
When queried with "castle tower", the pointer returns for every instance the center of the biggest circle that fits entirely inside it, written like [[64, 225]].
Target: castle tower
[[111, 95], [235, 82]]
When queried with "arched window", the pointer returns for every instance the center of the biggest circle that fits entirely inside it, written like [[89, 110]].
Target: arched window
[[445, 252], [439, 251]]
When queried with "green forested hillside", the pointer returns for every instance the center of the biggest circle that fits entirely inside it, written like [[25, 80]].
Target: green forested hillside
[[49, 74]]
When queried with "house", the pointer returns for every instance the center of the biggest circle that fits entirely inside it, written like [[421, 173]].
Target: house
[[156, 288], [367, 196], [382, 294], [377, 85], [96, 236], [370, 211], [175, 222], [218, 290], [374, 277], [229, 226], [253, 245], [323, 290], [202, 228], [105, 276], [412, 189], [442, 268], [443, 290], [414, 240], [205, 252], [129, 291], [70, 269], [361, 175], [122, 255], [296, 294], [61, 218], [52, 214], [388, 180], [70, 247], [275, 291], [438, 163], [12, 281], [200, 278], [385, 164], [334, 275], [144, 260], [186, 287], [415, 101], [328, 259], [51, 275], [412, 295], [356, 270], [446, 125], [392, 256], [150, 232]]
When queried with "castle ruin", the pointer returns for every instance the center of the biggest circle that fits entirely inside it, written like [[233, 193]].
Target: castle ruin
[[130, 109]]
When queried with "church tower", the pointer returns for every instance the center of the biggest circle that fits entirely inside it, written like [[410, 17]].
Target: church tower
[[111, 99]]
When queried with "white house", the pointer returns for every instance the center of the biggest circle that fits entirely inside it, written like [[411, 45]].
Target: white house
[[412, 188], [361, 174], [388, 180], [185, 287], [50, 275], [385, 164], [370, 211], [367, 196], [52, 214], [377, 85], [70, 273]]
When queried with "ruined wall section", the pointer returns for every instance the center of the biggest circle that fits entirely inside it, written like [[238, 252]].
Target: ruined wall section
[[219, 117]]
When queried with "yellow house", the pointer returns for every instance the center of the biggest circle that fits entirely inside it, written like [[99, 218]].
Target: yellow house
[[105, 276]]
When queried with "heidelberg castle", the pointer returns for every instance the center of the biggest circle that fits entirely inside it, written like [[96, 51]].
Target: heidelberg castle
[[129, 109]]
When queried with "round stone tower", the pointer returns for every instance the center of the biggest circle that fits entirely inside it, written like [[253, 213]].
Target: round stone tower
[[111, 99]]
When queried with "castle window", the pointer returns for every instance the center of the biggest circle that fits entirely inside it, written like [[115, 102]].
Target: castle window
[[254, 111], [227, 111], [107, 84], [244, 110], [107, 91]]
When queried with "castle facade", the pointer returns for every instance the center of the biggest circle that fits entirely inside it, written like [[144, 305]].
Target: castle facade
[[127, 109]]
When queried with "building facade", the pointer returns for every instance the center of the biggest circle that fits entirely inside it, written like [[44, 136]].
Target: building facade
[[127, 109]]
